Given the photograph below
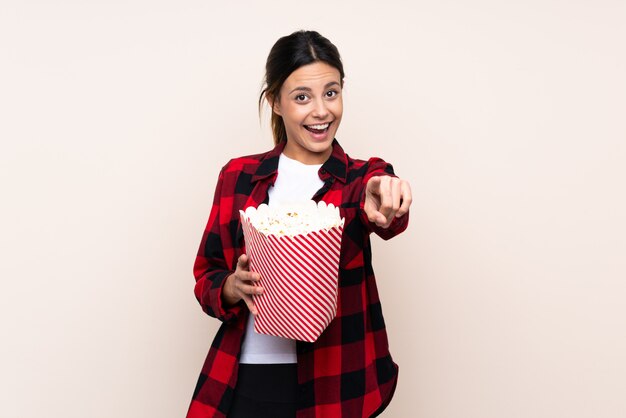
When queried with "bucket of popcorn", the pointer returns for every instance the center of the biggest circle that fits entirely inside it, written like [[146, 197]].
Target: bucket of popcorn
[[295, 248]]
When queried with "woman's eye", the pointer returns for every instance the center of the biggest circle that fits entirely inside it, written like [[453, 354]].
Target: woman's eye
[[331, 93], [300, 97]]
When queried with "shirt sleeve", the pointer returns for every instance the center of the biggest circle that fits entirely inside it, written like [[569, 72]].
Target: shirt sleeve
[[210, 268], [378, 167]]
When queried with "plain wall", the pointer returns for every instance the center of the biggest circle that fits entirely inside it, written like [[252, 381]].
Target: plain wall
[[504, 298]]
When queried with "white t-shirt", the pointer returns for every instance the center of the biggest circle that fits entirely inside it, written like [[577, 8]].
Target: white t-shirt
[[295, 182]]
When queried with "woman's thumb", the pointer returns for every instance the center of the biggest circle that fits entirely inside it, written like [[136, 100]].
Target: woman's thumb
[[242, 262]]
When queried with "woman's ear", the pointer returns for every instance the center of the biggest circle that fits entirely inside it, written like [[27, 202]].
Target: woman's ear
[[274, 104]]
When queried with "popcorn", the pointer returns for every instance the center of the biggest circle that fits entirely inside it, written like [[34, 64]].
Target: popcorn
[[295, 248], [294, 219]]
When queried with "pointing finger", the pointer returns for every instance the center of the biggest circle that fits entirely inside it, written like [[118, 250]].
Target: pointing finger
[[386, 199]]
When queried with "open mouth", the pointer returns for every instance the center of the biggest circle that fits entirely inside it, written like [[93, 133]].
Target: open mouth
[[318, 128]]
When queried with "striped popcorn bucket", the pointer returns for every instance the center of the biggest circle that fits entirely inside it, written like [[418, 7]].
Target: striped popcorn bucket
[[299, 274]]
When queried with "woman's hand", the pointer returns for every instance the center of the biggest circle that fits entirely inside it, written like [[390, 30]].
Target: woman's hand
[[240, 285], [386, 197]]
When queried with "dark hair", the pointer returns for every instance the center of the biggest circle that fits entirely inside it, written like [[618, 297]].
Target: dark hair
[[287, 55]]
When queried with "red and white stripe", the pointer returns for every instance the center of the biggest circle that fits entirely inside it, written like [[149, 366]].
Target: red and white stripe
[[299, 275]]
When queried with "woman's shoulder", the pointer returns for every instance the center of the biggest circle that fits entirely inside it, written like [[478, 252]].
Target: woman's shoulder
[[360, 167], [245, 163]]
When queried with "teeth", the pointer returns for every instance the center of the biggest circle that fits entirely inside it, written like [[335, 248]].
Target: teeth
[[324, 126]]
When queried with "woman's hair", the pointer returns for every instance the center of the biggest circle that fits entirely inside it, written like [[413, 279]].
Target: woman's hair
[[287, 55]]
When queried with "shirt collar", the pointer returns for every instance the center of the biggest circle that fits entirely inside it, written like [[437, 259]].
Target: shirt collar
[[336, 165]]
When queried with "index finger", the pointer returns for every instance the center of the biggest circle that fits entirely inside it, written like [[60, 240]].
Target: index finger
[[246, 275], [386, 198]]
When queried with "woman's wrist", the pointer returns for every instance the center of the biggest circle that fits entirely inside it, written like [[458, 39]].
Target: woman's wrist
[[228, 294]]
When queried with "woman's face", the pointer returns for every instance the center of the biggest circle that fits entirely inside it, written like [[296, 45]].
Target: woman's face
[[311, 106]]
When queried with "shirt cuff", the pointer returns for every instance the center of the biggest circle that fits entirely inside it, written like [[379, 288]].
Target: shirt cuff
[[224, 312]]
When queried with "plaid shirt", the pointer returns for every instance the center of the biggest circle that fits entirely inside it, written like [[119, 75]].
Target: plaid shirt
[[348, 372]]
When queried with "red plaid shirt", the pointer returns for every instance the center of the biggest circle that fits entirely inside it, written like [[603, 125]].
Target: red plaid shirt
[[348, 372]]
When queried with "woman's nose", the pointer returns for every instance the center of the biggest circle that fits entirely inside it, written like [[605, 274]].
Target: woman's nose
[[320, 110]]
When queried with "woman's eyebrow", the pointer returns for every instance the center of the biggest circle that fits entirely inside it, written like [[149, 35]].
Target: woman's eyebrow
[[302, 88]]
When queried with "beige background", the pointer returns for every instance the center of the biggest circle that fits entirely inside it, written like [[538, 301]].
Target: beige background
[[505, 298]]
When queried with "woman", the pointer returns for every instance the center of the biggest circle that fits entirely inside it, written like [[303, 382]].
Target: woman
[[348, 372]]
